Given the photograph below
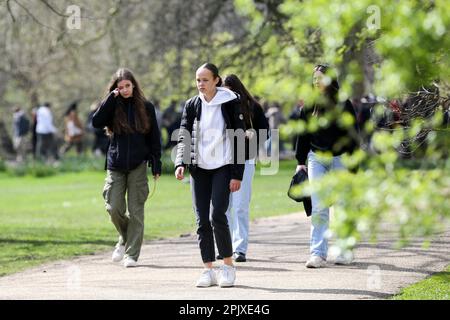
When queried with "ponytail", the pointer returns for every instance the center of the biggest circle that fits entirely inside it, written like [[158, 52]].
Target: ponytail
[[214, 70], [219, 84]]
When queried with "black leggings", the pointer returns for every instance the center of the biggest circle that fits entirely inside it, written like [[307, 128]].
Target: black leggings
[[210, 197]]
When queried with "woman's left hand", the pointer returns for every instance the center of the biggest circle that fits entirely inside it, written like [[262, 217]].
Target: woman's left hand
[[235, 185], [156, 177]]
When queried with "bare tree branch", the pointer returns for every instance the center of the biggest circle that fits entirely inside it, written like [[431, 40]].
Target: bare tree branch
[[114, 12], [53, 9], [33, 17], [9, 10]]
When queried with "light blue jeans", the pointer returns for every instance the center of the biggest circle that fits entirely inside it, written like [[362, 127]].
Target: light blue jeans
[[320, 216], [238, 209]]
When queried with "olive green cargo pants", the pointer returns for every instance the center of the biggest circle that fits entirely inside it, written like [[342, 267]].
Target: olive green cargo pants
[[130, 225]]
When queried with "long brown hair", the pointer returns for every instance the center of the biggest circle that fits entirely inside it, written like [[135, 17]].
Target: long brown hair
[[248, 102], [141, 118], [331, 90]]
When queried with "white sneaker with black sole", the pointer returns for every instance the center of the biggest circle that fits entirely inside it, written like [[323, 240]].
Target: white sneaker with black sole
[[207, 279]]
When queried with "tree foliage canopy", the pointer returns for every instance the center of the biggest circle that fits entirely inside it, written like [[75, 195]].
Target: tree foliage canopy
[[391, 49]]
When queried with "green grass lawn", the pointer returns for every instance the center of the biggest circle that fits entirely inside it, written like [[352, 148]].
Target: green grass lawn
[[44, 219], [62, 216], [436, 287]]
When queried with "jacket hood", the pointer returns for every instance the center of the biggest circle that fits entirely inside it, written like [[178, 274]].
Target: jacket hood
[[223, 95]]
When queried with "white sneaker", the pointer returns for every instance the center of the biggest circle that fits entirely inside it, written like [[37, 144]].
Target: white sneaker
[[207, 279], [118, 253], [345, 258], [316, 262], [129, 262], [227, 276]]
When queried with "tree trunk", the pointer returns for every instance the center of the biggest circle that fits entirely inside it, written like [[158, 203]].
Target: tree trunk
[[6, 146]]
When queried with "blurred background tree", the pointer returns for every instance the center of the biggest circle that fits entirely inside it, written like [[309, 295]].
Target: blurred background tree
[[162, 41], [383, 50], [397, 51]]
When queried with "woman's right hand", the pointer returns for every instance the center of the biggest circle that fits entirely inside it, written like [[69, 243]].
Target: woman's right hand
[[116, 92], [301, 167], [179, 173]]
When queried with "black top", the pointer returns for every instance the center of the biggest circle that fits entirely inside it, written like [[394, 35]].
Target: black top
[[259, 122], [128, 151], [334, 138]]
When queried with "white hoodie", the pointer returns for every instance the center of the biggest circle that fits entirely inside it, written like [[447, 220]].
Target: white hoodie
[[214, 147], [44, 120]]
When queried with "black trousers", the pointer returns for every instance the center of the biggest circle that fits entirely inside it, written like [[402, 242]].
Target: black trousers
[[46, 146], [210, 198]]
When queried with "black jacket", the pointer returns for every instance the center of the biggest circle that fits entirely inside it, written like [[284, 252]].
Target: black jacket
[[259, 122], [128, 151], [333, 138], [187, 151]]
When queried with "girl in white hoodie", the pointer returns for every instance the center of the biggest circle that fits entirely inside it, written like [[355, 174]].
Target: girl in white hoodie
[[210, 117]]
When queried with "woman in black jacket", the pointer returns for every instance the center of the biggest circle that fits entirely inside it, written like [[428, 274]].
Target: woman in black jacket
[[131, 125], [332, 138], [205, 143], [257, 133]]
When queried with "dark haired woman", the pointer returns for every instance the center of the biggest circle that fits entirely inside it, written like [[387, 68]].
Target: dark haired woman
[[131, 125], [209, 118], [333, 139], [238, 211]]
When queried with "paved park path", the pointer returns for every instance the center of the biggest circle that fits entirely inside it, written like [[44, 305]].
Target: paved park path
[[275, 269]]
